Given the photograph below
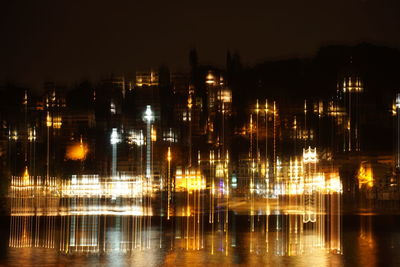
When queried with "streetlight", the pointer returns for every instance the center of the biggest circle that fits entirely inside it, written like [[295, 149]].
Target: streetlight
[[169, 158], [49, 123]]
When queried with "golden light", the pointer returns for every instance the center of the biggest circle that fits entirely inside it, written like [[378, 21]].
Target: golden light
[[334, 184], [48, 120], [225, 96], [189, 180], [394, 109], [169, 157], [190, 102], [57, 122], [153, 134], [365, 175], [257, 107], [77, 151], [32, 135], [210, 79], [26, 174], [14, 135]]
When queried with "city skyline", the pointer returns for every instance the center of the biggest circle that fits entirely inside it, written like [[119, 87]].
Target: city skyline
[[179, 133]]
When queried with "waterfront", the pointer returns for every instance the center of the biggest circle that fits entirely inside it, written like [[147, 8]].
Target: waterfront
[[176, 133], [367, 240]]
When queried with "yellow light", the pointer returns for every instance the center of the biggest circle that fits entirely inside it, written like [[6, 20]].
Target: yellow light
[[15, 136], [48, 120], [210, 78], [225, 96], [257, 107], [189, 180], [190, 102], [365, 175], [32, 135], [57, 122], [153, 134], [26, 174], [169, 157], [334, 184]]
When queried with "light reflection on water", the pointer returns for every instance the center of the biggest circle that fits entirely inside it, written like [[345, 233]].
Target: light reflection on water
[[49, 228], [113, 240], [153, 241], [46, 229]]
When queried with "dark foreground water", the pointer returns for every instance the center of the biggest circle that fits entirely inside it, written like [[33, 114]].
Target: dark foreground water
[[276, 240]]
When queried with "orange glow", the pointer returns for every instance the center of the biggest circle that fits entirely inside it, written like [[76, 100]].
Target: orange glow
[[153, 134], [365, 175], [77, 151], [169, 157]]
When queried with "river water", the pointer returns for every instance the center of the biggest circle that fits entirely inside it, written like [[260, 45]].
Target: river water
[[200, 240]]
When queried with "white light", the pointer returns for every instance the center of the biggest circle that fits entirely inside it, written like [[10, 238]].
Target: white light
[[112, 108], [136, 137], [398, 101], [148, 114], [114, 137], [310, 155]]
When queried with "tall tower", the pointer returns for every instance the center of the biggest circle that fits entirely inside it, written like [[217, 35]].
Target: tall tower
[[352, 87], [114, 140], [148, 118]]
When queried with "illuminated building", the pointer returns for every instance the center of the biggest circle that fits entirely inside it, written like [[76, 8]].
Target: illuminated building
[[189, 180], [351, 89], [146, 78], [219, 105], [365, 176], [53, 98]]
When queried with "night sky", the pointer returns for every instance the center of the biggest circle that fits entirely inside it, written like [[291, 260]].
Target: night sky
[[67, 41]]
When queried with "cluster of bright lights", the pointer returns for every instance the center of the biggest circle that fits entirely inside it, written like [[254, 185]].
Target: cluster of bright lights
[[189, 180], [32, 135], [350, 85], [310, 155], [57, 122], [136, 138], [225, 96], [147, 78], [365, 175], [49, 121], [210, 79], [33, 186], [91, 186], [148, 114], [334, 184], [14, 135], [170, 136]]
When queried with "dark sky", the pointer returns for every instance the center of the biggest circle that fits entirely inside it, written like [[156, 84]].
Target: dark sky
[[66, 41]]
